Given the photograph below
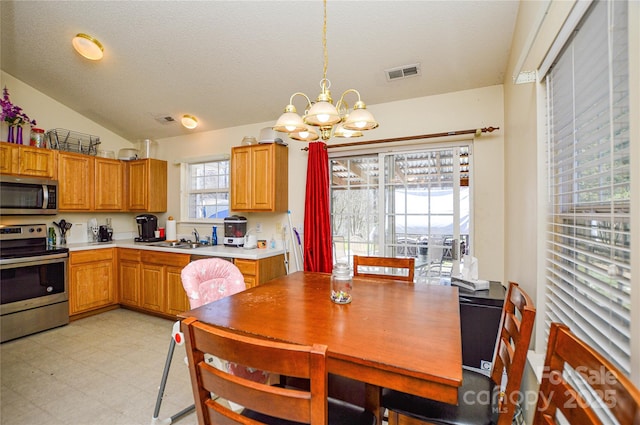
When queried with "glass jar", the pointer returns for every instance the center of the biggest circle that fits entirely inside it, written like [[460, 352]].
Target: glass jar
[[37, 138], [341, 284]]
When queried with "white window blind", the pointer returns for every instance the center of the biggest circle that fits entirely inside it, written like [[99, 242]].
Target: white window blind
[[588, 274]]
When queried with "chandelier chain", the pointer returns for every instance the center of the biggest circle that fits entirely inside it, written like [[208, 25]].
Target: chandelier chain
[[324, 43], [328, 120]]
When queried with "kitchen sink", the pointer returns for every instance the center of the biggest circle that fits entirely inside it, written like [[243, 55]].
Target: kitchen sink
[[191, 245], [182, 245]]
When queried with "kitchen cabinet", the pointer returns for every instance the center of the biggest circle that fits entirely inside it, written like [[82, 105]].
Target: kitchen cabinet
[[177, 300], [259, 178], [88, 183], [129, 273], [146, 181], [160, 283], [256, 272], [27, 161], [109, 185], [75, 182], [152, 287], [91, 280]]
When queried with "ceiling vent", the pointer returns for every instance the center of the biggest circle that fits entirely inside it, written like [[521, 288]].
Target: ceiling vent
[[164, 119], [401, 72]]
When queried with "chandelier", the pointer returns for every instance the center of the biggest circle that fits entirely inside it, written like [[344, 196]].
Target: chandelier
[[321, 118]]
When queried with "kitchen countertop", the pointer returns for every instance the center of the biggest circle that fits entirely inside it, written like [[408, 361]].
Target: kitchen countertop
[[212, 251]]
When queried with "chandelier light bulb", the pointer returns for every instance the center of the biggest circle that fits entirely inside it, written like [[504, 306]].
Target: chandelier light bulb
[[323, 118]]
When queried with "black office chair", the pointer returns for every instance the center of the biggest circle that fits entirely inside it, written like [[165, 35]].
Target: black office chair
[[480, 401]]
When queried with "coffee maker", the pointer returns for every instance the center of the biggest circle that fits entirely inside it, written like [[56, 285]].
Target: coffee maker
[[147, 225], [105, 234]]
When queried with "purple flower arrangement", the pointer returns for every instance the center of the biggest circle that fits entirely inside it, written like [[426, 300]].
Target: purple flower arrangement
[[11, 113]]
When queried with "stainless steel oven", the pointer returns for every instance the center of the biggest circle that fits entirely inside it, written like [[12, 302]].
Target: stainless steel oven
[[33, 283], [28, 196]]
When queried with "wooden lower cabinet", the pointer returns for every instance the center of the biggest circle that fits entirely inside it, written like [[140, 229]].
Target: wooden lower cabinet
[[177, 301], [129, 276], [152, 292], [91, 280], [256, 272], [151, 281], [147, 281]]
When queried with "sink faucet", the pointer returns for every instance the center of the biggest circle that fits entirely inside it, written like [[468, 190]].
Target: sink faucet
[[196, 235]]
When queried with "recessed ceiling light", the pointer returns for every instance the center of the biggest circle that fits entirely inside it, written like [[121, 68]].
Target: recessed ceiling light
[[88, 47], [189, 121]]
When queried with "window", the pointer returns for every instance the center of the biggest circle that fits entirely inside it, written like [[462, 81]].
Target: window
[[408, 204], [588, 256], [205, 190]]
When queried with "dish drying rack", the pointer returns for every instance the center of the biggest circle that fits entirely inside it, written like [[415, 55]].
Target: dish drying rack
[[73, 141]]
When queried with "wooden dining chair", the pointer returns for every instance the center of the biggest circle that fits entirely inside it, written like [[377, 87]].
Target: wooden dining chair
[[480, 399], [384, 262], [598, 377], [262, 403]]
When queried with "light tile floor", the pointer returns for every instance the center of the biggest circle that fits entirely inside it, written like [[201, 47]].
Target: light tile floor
[[104, 369]]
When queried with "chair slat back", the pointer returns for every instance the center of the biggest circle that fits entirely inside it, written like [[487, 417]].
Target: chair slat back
[[615, 390], [510, 352], [384, 262], [286, 359]]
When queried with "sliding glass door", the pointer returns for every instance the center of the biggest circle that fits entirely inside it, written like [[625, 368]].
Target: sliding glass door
[[403, 204]]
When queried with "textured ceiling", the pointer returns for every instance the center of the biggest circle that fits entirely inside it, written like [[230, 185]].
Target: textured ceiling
[[237, 62]]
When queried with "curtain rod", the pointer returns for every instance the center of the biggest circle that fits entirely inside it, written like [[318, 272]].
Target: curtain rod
[[477, 132]]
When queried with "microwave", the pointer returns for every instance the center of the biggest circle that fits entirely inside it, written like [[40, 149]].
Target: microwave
[[28, 196]]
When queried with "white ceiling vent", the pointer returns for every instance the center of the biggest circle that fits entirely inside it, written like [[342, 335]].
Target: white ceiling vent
[[404, 71], [164, 119]]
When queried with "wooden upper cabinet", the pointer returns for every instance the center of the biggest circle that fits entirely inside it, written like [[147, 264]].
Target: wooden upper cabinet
[[241, 178], [109, 184], [27, 161], [260, 178], [147, 185], [75, 182], [9, 158], [37, 162]]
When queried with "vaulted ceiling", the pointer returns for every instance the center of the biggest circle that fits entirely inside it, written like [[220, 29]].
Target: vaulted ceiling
[[233, 63]]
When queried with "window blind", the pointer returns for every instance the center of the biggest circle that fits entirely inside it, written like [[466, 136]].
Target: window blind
[[588, 273]]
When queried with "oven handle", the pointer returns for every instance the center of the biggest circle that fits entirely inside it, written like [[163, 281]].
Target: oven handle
[[8, 263]]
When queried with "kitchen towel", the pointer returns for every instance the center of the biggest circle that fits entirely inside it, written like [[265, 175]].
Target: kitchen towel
[[170, 234]]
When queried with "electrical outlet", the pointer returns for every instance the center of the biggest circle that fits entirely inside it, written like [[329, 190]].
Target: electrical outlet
[[279, 228], [258, 227]]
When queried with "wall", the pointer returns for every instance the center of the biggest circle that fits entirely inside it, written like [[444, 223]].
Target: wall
[[50, 114], [463, 110], [521, 144], [524, 171]]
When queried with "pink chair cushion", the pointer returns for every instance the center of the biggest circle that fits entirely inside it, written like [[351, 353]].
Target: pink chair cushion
[[210, 279]]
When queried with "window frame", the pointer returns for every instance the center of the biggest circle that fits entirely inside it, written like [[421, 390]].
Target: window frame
[[186, 190], [380, 154]]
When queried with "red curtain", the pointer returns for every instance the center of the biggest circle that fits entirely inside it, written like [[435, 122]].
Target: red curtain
[[317, 221]]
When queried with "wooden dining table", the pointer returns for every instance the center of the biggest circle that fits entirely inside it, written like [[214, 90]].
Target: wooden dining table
[[392, 335]]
